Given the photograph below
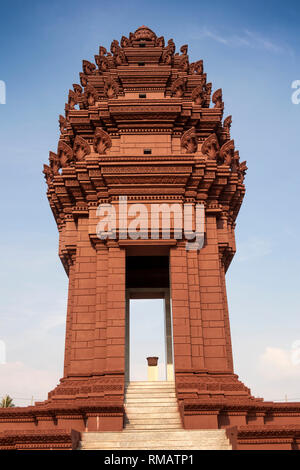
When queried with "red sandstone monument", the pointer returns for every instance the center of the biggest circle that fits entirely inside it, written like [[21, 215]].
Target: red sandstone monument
[[145, 124]]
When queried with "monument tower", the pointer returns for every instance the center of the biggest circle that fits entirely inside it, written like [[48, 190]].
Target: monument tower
[[145, 125]]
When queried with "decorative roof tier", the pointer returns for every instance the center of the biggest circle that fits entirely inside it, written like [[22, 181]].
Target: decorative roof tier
[[143, 108]]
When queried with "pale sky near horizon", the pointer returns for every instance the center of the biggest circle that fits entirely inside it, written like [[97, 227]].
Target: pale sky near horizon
[[251, 51]]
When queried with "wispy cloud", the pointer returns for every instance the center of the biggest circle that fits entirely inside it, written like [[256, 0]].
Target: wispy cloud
[[278, 364], [253, 248], [246, 38]]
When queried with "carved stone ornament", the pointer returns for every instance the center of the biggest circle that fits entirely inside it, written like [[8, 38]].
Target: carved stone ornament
[[144, 33], [77, 89], [242, 171], [184, 63], [217, 99], [102, 60], [235, 163], [198, 94], [196, 67], [72, 99], [102, 51], [227, 125], [62, 123], [210, 147], [90, 95], [160, 42], [189, 141], [208, 88], [118, 54], [111, 88], [178, 87], [88, 68], [65, 154], [48, 173], [83, 79], [102, 141], [125, 42], [227, 152], [54, 162], [80, 148], [168, 53], [184, 49]]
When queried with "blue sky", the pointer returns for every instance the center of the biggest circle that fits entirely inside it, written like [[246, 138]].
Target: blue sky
[[251, 51]]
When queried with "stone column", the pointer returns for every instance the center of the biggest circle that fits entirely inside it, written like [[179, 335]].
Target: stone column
[[217, 357], [83, 308], [69, 320], [180, 308], [116, 305], [100, 341], [195, 310]]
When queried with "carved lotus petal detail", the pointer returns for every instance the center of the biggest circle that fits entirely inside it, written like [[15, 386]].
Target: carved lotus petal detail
[[111, 88], [65, 154], [77, 89], [62, 123], [72, 99], [189, 141], [210, 147], [102, 141], [242, 171], [227, 124], [80, 148], [217, 99], [54, 162], [178, 87], [91, 95], [48, 173], [227, 152], [198, 94], [88, 67], [196, 67]]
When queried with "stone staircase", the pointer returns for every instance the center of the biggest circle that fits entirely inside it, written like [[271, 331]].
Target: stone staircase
[[153, 422]]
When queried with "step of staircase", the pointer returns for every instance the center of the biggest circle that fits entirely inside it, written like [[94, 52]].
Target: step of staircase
[[152, 422], [151, 409], [166, 440], [132, 419]]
